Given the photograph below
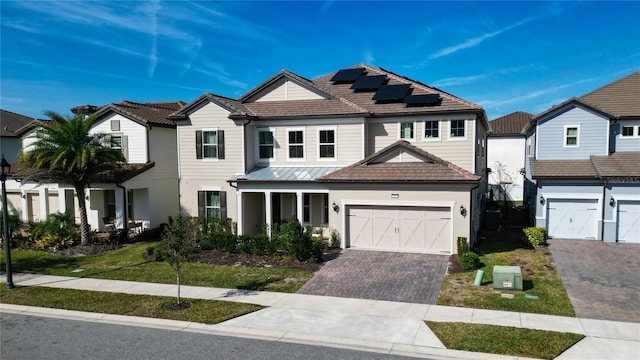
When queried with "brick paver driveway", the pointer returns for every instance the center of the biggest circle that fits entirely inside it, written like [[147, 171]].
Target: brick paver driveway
[[379, 275], [602, 280]]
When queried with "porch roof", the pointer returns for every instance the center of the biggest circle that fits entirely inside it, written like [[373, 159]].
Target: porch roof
[[294, 173]]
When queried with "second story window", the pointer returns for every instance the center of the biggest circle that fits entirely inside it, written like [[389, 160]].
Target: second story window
[[210, 144], [116, 142], [296, 144], [571, 136], [265, 144], [406, 130], [457, 128], [432, 129], [327, 144]]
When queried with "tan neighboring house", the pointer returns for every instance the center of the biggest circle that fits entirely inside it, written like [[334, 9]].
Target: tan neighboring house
[[143, 193], [386, 162]]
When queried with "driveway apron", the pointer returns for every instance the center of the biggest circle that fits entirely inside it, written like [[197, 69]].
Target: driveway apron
[[379, 275], [602, 280]]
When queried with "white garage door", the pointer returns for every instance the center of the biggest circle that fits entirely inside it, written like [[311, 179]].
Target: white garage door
[[573, 219], [629, 221], [412, 229]]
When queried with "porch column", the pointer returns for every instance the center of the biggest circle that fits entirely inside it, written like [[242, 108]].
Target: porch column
[[240, 214], [62, 200], [267, 211], [24, 200], [299, 206], [120, 205], [43, 194]]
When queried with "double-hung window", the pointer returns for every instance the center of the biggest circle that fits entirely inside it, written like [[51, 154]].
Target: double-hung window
[[407, 130], [110, 203], [432, 129], [116, 142], [628, 131], [571, 136], [296, 144], [212, 204], [210, 144], [265, 144], [457, 128], [327, 144]]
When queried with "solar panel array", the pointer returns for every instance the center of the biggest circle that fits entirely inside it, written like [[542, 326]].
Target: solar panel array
[[369, 83], [421, 100], [391, 93], [347, 75]]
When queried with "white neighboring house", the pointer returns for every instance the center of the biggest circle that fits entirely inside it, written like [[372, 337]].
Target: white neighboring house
[[143, 191], [505, 156]]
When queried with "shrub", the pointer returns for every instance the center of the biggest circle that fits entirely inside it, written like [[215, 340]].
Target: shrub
[[53, 242], [14, 222], [463, 245], [258, 244], [317, 249], [335, 239], [469, 260], [535, 235], [57, 232], [295, 240]]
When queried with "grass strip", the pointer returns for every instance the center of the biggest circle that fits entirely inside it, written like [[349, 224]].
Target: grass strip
[[504, 340], [201, 311], [128, 263]]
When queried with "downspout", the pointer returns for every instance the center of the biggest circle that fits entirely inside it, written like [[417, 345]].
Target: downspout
[[125, 221], [471, 207], [604, 206]]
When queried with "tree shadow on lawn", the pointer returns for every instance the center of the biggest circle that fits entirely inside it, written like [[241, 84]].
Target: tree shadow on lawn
[[41, 264], [501, 241]]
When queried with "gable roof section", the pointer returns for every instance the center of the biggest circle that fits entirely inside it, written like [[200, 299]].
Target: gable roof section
[[235, 107], [427, 168], [621, 164], [616, 165], [15, 125], [511, 124], [620, 99], [255, 93], [151, 113]]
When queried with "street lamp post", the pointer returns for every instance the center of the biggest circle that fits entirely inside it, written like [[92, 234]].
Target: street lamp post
[[5, 221]]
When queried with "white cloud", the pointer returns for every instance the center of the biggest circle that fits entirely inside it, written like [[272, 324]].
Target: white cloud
[[461, 80], [368, 57]]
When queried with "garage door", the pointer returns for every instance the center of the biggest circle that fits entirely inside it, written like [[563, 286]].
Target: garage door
[[629, 221], [412, 229], [573, 219]]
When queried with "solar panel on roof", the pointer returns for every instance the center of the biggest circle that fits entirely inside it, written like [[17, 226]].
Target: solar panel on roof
[[390, 93], [369, 82], [419, 100], [347, 75]]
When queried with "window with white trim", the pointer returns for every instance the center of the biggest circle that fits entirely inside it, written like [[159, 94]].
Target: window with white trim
[[265, 144], [457, 128], [571, 136], [407, 130], [116, 142], [432, 129], [327, 144], [210, 144], [629, 131], [110, 203], [212, 204], [296, 144]]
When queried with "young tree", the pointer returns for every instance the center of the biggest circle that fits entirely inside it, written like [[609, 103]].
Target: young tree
[[178, 241], [65, 152]]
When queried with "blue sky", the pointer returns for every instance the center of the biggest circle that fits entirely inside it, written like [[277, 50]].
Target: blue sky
[[505, 56]]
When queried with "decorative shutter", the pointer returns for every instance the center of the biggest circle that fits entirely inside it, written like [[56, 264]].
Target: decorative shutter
[[220, 144], [201, 204], [125, 147], [223, 204], [199, 144]]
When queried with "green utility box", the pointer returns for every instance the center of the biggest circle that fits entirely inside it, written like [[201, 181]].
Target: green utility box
[[507, 278]]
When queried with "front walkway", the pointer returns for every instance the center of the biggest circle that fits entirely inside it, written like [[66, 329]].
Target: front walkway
[[601, 279], [367, 325], [379, 275]]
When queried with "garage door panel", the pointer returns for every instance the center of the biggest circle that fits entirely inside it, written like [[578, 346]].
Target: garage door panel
[[629, 221], [412, 230], [439, 234], [385, 225], [361, 227], [572, 218]]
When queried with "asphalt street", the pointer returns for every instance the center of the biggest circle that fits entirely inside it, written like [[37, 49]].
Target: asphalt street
[[32, 337]]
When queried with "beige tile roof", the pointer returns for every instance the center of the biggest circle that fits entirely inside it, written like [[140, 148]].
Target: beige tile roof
[[121, 173], [307, 108], [375, 169], [620, 164], [155, 113], [616, 165], [511, 124], [620, 98], [14, 125]]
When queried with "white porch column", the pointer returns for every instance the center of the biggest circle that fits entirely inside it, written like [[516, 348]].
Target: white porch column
[[62, 200], [299, 206], [120, 205], [240, 214], [43, 194], [24, 200], [267, 211]]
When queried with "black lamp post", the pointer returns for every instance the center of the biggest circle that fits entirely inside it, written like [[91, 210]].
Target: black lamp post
[[5, 221]]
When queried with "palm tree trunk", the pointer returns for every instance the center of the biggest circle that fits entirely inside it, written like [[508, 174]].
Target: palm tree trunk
[[84, 222]]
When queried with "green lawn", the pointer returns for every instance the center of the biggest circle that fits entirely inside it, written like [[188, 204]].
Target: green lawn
[[201, 311], [503, 340], [540, 279], [128, 263]]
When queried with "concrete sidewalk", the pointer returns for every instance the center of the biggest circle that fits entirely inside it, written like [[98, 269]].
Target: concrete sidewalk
[[381, 326]]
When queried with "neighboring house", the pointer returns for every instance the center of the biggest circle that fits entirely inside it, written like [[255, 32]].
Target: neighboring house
[[143, 191], [583, 164], [386, 162], [505, 156]]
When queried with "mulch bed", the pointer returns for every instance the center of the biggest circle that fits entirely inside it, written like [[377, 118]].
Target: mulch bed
[[175, 306], [454, 265], [241, 259]]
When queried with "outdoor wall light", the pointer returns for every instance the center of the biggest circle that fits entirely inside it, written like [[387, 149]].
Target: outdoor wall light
[[23, 195], [541, 200], [463, 211], [335, 207], [612, 202]]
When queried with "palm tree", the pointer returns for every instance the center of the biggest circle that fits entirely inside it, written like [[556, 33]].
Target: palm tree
[[65, 152]]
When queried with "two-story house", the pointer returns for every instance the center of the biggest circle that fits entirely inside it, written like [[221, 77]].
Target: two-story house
[[143, 192], [384, 161], [583, 164], [505, 156]]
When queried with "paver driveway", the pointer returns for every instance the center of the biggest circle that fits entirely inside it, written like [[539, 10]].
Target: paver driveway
[[602, 280], [380, 275]]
